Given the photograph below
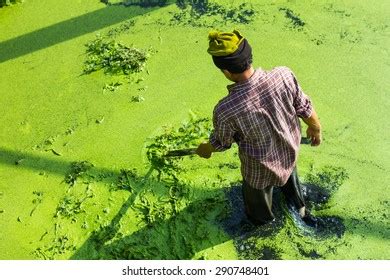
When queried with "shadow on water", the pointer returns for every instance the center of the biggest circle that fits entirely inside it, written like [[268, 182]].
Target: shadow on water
[[215, 217], [202, 224], [365, 228], [187, 232], [179, 237], [67, 30], [55, 165]]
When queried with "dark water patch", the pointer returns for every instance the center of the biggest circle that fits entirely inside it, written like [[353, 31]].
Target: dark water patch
[[386, 203], [329, 178], [249, 251], [110, 87], [330, 226], [137, 99], [317, 191], [315, 196], [237, 223], [319, 226], [311, 253], [269, 253], [245, 233]]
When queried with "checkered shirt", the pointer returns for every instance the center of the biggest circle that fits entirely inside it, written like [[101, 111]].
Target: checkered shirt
[[261, 115]]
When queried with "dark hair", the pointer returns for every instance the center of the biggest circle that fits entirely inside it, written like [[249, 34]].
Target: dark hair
[[237, 62], [237, 68]]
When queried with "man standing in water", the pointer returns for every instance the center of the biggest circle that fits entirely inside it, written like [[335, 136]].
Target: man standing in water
[[261, 114]]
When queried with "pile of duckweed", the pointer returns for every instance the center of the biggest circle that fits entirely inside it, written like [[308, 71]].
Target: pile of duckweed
[[82, 167]]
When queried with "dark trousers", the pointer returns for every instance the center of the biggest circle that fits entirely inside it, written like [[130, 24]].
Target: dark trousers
[[258, 202]]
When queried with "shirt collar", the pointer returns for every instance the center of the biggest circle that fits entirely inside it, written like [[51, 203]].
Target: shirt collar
[[239, 85]]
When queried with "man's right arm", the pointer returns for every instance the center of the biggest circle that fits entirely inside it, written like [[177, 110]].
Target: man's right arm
[[304, 109], [314, 128]]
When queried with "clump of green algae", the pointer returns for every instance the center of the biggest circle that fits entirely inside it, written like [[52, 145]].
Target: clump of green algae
[[113, 57], [188, 135], [211, 14], [77, 170]]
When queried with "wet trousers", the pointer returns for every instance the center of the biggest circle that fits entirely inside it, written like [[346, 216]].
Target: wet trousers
[[258, 202]]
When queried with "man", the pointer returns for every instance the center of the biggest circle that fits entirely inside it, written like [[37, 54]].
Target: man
[[261, 114]]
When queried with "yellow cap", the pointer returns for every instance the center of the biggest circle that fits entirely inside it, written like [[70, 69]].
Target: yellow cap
[[224, 43]]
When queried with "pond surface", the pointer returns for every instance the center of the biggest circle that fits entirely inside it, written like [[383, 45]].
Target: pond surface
[[75, 181]]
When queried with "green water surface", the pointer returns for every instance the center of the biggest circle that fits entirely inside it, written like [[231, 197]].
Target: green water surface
[[53, 115]]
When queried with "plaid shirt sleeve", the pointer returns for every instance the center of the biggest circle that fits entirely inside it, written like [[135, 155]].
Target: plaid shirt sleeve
[[222, 136], [301, 103]]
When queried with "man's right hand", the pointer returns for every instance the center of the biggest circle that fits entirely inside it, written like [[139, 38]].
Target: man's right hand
[[205, 150], [314, 134], [314, 129]]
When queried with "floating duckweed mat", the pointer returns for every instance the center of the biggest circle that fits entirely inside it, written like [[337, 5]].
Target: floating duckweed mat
[[81, 179]]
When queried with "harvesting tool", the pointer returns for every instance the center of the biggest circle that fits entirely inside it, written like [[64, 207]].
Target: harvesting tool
[[180, 153]]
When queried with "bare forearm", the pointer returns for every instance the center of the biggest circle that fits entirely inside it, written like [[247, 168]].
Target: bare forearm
[[314, 129], [313, 121]]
